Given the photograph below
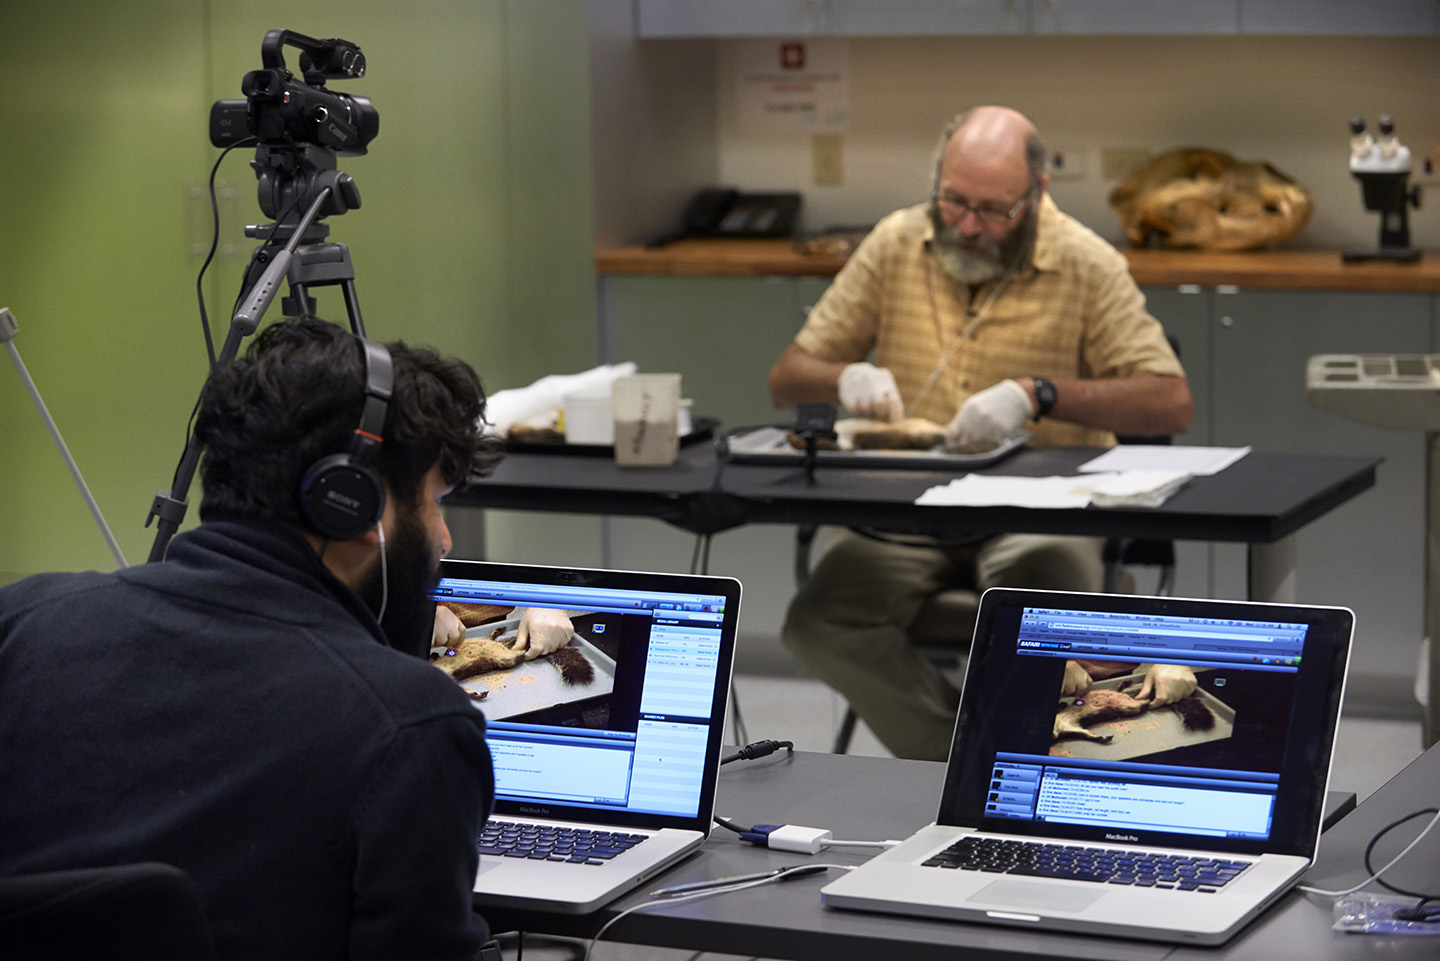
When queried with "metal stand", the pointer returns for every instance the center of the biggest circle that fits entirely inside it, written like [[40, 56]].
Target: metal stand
[[1397, 392], [812, 422], [8, 329], [303, 262], [1430, 716]]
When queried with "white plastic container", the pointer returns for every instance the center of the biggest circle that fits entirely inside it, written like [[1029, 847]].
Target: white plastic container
[[588, 418]]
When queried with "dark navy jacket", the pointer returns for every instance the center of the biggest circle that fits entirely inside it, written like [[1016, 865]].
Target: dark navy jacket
[[237, 712]]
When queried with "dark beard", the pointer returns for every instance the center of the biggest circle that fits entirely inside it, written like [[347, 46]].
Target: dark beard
[[409, 616], [999, 256]]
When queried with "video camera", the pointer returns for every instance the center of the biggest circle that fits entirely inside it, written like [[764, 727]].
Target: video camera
[[278, 109], [299, 126]]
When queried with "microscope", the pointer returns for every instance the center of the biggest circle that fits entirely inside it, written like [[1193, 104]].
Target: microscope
[[1382, 165]]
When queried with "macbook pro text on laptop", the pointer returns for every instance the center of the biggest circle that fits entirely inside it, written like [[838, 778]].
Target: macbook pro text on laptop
[[605, 771], [1072, 801]]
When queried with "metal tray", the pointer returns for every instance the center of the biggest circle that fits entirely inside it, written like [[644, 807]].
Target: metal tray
[[702, 429], [768, 445], [1147, 733], [535, 685]]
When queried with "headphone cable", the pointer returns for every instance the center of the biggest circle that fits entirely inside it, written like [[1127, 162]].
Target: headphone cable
[[384, 573]]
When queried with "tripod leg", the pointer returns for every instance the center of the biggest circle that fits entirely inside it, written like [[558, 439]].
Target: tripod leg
[[352, 307]]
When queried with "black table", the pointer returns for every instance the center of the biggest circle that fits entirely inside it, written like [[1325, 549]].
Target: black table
[[1261, 500], [865, 798]]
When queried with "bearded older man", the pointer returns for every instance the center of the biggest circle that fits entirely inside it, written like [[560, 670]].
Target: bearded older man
[[987, 310]]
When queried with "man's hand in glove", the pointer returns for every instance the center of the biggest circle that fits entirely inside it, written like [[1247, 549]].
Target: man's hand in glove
[[1166, 684], [870, 391], [1077, 680], [448, 631], [989, 417], [541, 631]]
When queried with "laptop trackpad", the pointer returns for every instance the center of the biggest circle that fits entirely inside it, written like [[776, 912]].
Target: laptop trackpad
[[1022, 894]]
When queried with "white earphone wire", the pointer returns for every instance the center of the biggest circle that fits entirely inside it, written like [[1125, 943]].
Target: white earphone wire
[[384, 573]]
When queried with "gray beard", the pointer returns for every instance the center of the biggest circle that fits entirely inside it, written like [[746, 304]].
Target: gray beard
[[965, 267], [998, 256]]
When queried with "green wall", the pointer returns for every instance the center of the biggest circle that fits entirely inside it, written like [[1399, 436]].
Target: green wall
[[474, 234]]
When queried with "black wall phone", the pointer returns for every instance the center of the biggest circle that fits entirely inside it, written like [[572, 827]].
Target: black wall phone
[[726, 212]]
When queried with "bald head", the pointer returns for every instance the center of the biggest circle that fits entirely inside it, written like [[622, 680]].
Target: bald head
[[996, 143]]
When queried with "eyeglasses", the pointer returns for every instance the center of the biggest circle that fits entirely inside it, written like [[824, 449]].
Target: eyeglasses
[[988, 214]]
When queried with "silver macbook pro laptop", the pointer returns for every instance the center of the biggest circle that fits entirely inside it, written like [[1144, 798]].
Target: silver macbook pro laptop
[[606, 754], [1102, 813]]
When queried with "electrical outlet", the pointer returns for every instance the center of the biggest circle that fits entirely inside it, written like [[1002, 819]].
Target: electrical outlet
[[1117, 162], [1067, 163], [827, 158]]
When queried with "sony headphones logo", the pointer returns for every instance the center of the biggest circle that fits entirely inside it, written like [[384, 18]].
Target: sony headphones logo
[[341, 500]]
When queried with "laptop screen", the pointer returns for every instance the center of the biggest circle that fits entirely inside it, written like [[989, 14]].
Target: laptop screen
[[626, 727], [1190, 723]]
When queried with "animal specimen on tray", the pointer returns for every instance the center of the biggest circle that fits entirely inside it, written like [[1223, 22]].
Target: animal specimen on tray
[[1077, 716]]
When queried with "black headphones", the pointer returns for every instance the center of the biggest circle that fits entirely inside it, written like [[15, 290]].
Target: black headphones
[[341, 495]]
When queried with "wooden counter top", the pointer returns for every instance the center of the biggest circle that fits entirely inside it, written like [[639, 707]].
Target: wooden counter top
[[716, 257], [1255, 270], [1282, 270]]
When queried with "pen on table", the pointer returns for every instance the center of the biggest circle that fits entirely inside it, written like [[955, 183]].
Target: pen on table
[[793, 871]]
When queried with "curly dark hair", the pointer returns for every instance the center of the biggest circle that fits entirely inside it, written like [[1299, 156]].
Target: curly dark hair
[[296, 396]]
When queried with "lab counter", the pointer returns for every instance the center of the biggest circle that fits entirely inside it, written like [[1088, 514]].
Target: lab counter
[[1256, 270]]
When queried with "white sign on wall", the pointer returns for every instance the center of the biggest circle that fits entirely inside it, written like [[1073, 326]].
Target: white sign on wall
[[793, 86]]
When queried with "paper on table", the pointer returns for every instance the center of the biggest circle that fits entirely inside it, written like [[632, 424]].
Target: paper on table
[[1137, 488], [983, 490], [1195, 461], [506, 407]]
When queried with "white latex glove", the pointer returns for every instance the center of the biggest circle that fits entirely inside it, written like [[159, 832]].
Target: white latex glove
[[1077, 681], [990, 416], [1166, 684], [448, 631], [541, 631], [870, 391]]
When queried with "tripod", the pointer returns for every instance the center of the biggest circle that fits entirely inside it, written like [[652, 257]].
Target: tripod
[[304, 262]]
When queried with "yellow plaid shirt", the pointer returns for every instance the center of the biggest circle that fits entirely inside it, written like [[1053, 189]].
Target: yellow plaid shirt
[[1074, 311]]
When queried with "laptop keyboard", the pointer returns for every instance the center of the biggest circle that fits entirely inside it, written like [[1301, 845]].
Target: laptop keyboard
[[547, 843], [1103, 865]]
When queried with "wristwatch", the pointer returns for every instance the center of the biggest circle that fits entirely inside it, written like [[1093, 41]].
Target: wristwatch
[[1044, 397]]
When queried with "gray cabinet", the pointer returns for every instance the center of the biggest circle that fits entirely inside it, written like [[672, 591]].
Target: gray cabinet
[[881, 18], [863, 18], [1340, 17], [733, 18], [799, 18], [1117, 17], [1245, 352]]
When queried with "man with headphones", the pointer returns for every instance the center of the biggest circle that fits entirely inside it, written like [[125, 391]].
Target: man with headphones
[[987, 311], [257, 709]]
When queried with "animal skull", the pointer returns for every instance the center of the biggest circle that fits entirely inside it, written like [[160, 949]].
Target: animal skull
[[1202, 198]]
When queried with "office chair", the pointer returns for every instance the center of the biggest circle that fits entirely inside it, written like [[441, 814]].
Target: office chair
[[127, 912], [942, 629]]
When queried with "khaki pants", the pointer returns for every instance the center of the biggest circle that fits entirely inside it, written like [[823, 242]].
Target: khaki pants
[[848, 623]]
